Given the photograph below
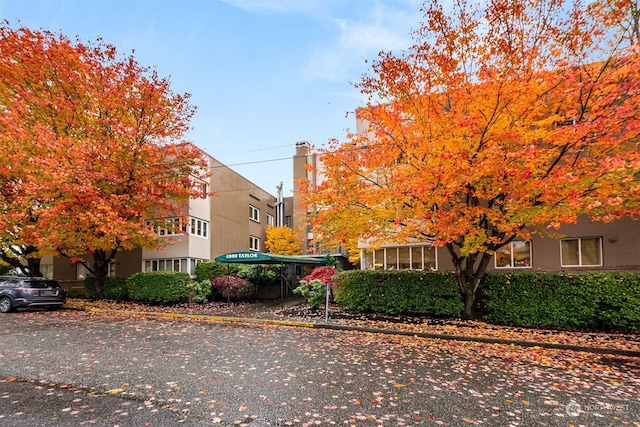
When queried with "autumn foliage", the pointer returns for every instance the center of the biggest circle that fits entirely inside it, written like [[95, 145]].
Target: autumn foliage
[[92, 149], [504, 119], [231, 286], [324, 274], [283, 241]]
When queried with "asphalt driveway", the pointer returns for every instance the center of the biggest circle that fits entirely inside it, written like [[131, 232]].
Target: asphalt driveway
[[72, 368]]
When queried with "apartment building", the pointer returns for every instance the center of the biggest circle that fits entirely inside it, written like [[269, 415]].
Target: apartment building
[[234, 218], [582, 246]]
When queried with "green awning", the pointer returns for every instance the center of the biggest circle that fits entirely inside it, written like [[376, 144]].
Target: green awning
[[262, 258]]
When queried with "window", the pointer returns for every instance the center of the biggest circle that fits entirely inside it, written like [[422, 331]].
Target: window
[[254, 213], [287, 221], [185, 265], [254, 243], [173, 227], [516, 254], [201, 190], [199, 227], [581, 252], [402, 258], [47, 270], [111, 269], [392, 258], [81, 272], [269, 219]]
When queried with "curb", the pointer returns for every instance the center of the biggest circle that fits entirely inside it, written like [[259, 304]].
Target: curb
[[462, 338]]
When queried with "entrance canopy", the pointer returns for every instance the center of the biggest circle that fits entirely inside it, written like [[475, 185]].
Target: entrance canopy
[[262, 258]]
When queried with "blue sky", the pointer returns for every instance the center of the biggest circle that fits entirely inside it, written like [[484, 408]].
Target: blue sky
[[264, 74]]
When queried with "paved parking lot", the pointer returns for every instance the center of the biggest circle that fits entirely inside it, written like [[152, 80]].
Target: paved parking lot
[[73, 368]]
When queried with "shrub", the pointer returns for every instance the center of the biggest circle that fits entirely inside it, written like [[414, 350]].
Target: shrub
[[396, 292], [74, 293], [199, 291], [159, 286], [259, 274], [114, 288], [315, 292], [211, 270], [324, 274], [233, 287], [592, 300], [313, 287]]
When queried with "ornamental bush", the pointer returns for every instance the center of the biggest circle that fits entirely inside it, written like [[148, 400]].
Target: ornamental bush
[[159, 286], [115, 288], [313, 286], [590, 300], [398, 292], [199, 291], [211, 270], [324, 274], [314, 291], [233, 287]]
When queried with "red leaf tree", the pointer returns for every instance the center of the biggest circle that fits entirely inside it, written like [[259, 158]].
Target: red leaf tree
[[505, 118], [91, 147]]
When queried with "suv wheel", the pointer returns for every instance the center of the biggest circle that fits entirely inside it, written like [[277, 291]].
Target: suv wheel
[[5, 305]]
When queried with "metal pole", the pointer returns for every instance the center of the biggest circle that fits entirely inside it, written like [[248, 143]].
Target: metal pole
[[326, 311]]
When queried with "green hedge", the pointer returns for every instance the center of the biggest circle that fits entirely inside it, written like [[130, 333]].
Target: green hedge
[[592, 300], [211, 270], [114, 288], [159, 286], [396, 292]]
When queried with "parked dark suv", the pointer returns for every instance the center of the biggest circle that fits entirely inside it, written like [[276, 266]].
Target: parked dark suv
[[22, 292]]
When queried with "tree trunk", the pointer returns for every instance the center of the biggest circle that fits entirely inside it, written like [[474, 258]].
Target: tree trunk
[[469, 300], [469, 274], [34, 267], [100, 270]]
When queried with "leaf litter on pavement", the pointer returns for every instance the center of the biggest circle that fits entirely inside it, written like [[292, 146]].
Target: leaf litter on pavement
[[343, 378], [417, 324]]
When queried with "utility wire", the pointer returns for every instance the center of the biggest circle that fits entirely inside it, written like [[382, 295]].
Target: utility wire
[[251, 163]]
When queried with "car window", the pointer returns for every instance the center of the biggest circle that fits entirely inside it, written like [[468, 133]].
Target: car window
[[41, 284]]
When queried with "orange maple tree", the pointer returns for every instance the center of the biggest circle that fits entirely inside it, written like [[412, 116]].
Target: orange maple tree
[[91, 147], [504, 119], [283, 241]]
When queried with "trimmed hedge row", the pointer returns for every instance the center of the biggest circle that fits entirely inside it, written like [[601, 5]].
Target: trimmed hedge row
[[590, 300], [593, 300], [159, 286], [114, 288], [155, 287], [396, 292]]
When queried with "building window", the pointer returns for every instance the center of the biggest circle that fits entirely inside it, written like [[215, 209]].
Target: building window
[[111, 269], [516, 254], [270, 219], [184, 265], [581, 252], [82, 272], [254, 243], [201, 190], [400, 258], [288, 221], [170, 227], [254, 213], [46, 270], [199, 227]]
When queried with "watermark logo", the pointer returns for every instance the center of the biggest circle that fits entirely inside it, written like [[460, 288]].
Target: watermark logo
[[572, 409]]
